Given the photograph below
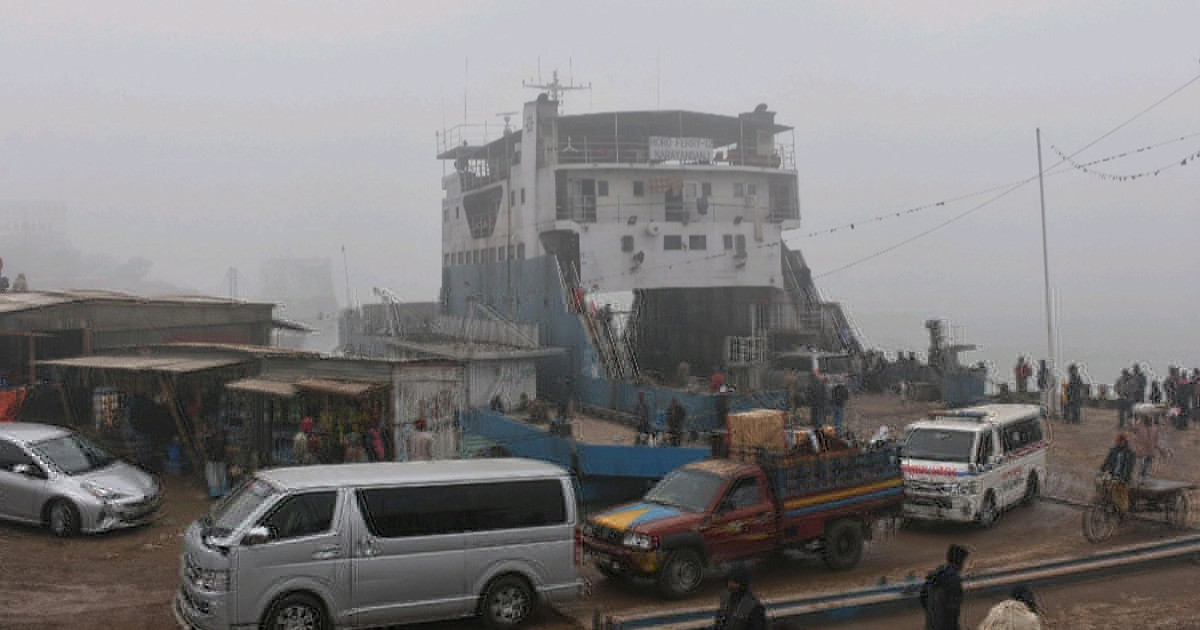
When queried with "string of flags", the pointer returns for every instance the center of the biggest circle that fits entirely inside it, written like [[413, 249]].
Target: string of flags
[[1086, 166]]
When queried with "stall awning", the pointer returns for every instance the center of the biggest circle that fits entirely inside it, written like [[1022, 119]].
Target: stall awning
[[172, 364], [264, 386], [340, 388]]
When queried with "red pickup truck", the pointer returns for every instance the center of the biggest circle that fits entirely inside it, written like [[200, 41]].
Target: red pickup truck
[[719, 510]]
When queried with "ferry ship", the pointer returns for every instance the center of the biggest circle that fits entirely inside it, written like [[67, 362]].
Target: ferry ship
[[682, 211]]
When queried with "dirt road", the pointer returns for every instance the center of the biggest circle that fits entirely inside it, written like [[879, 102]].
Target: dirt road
[[126, 579]]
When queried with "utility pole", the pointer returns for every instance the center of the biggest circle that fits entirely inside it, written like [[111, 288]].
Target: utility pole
[[1051, 392]]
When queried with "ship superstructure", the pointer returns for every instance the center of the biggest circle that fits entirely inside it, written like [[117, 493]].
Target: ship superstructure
[[684, 210]]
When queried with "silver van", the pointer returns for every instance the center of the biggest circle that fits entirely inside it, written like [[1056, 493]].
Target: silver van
[[53, 476], [367, 545]]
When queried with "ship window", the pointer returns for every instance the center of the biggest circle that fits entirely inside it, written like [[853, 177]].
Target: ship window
[[627, 243], [522, 195], [728, 241], [512, 252], [672, 242], [499, 253], [446, 260], [639, 189], [521, 251], [751, 190], [456, 208], [512, 197], [741, 242], [739, 189], [706, 189], [697, 241], [601, 188], [445, 215]]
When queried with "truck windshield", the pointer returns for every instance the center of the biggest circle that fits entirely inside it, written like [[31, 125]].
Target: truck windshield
[[690, 490], [231, 511], [939, 445]]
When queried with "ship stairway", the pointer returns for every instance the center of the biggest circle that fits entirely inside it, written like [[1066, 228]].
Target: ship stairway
[[835, 328], [613, 348]]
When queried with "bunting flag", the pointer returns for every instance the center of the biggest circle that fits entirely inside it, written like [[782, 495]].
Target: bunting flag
[[10, 403], [1086, 166]]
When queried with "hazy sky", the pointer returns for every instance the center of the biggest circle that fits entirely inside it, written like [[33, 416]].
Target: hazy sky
[[210, 135]]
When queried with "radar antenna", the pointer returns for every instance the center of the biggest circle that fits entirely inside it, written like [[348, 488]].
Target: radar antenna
[[507, 116], [555, 87]]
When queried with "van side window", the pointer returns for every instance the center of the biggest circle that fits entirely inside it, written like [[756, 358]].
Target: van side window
[[302, 515], [428, 511], [1022, 434]]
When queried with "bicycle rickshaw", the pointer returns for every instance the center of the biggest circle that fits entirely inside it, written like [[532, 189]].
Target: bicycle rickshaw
[[1164, 498]]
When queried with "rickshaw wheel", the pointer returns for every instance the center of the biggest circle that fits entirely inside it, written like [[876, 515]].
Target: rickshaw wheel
[[1099, 522], [1177, 511]]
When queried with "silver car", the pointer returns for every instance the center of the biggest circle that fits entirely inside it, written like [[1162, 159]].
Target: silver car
[[52, 476]]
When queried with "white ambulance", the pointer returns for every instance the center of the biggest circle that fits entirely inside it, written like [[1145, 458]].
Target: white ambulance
[[969, 465]]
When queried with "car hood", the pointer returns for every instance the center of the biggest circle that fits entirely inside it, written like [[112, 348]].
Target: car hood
[[642, 516], [123, 478]]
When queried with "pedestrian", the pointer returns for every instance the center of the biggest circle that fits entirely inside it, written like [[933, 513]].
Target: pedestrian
[[420, 443], [740, 609], [942, 592], [1156, 393], [818, 399], [641, 415], [1146, 443], [216, 469], [1124, 386], [1075, 394], [1022, 371], [1118, 472], [676, 416], [302, 443], [838, 398], [1043, 375], [1139, 384], [1018, 612]]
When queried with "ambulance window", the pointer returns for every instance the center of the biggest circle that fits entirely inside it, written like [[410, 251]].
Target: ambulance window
[[985, 448]]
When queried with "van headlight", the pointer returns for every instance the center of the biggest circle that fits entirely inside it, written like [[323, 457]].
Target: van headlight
[[638, 541], [213, 580], [966, 488]]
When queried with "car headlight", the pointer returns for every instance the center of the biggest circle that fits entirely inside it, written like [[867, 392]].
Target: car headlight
[[638, 541], [966, 488], [210, 579], [100, 492]]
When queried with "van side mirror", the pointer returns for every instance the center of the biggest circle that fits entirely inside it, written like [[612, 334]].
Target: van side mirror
[[257, 535]]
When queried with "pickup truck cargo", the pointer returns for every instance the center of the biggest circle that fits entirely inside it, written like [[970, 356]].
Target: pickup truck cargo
[[720, 510]]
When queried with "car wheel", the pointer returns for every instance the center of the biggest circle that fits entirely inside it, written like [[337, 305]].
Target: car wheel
[[988, 512], [1033, 490], [296, 611], [681, 574], [508, 603], [63, 518], [843, 545]]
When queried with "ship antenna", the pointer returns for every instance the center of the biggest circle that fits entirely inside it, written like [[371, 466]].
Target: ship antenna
[[556, 87]]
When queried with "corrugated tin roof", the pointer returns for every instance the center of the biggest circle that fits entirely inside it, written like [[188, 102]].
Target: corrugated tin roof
[[14, 302], [341, 388], [264, 386], [176, 365]]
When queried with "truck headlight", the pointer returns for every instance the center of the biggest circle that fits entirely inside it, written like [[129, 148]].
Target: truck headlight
[[210, 580], [639, 541]]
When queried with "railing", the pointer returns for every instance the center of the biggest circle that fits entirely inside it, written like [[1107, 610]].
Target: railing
[[610, 150], [600, 209]]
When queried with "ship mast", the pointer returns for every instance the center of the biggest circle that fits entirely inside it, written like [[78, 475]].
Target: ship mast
[[555, 88]]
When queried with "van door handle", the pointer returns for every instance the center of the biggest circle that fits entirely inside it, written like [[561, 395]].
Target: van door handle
[[325, 553]]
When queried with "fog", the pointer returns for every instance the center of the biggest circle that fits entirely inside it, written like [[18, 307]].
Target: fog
[[167, 143]]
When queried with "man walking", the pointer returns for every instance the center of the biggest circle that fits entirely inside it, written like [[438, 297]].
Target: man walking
[[641, 415], [740, 609], [818, 398], [942, 593], [1125, 397], [838, 397]]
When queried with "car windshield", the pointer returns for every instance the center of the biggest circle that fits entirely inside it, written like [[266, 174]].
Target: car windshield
[[939, 445], [233, 510], [72, 454], [690, 490]]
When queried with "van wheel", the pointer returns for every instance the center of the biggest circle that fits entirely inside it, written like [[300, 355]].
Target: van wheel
[[296, 611], [988, 513], [1033, 490], [507, 603], [843, 545], [63, 518], [681, 574]]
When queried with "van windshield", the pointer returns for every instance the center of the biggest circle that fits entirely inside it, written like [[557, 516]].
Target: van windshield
[[233, 510], [689, 490], [939, 445]]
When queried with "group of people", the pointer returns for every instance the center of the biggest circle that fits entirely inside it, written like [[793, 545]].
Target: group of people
[[826, 401], [941, 598], [310, 446], [675, 416]]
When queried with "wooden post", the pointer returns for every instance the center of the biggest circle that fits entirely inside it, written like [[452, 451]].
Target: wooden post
[[193, 448]]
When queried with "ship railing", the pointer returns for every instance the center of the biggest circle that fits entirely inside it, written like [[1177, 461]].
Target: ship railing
[[633, 211], [573, 149]]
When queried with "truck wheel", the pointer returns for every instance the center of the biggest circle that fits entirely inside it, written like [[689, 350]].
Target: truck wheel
[[681, 574], [843, 545]]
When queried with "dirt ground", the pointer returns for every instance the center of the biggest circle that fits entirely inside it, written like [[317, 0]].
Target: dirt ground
[[126, 579]]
